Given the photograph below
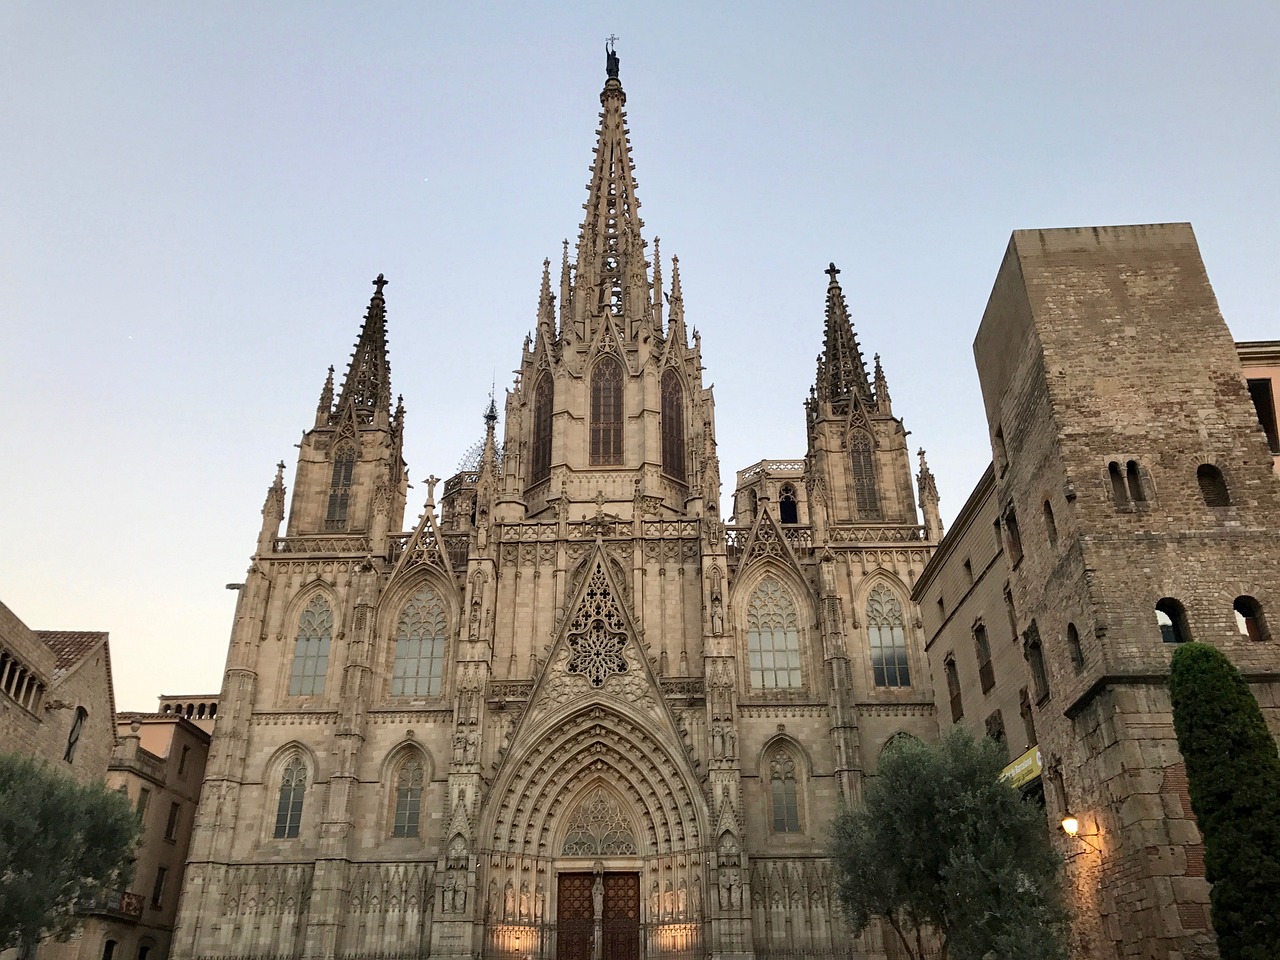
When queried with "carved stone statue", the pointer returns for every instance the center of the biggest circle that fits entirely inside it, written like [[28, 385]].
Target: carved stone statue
[[717, 614]]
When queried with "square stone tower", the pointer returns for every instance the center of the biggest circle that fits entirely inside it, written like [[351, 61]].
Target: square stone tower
[[1137, 504]]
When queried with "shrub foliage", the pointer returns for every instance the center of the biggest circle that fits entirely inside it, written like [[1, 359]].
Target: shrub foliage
[[1233, 772]]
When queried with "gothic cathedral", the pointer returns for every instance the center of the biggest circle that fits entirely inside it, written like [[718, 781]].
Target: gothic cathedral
[[572, 712]]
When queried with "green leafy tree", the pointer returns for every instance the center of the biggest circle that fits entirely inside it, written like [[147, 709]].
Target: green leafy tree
[[1233, 772], [950, 856], [62, 846]]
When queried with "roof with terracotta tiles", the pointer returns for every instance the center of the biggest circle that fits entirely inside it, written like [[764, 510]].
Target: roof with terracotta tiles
[[70, 646]]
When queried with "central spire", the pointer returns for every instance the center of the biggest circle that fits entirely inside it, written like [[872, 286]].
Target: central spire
[[367, 385], [842, 374], [611, 274]]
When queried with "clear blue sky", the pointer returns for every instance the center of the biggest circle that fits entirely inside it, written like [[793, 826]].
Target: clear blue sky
[[196, 197]]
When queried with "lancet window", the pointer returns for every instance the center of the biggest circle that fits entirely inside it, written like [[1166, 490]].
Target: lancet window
[[344, 462], [887, 632], [606, 413], [540, 455], [784, 792], [311, 652], [599, 829], [293, 786], [673, 449], [773, 637], [408, 810], [420, 646], [866, 493]]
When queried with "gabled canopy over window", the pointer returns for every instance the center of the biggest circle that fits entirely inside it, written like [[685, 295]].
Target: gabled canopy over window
[[866, 493], [773, 637], [673, 448], [293, 786], [420, 646], [886, 630], [606, 413], [540, 454], [311, 653]]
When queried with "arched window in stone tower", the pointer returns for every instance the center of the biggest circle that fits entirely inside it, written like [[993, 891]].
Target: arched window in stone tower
[[886, 630], [773, 637], [293, 786], [540, 454], [673, 451], [344, 462], [866, 494], [606, 413], [408, 810], [311, 652], [420, 642], [788, 509], [784, 795]]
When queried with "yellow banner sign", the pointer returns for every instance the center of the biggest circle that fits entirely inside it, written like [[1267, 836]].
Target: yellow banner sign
[[1023, 770]]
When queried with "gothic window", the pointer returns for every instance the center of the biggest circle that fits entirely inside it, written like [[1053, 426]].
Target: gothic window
[[1028, 717], [597, 633], [865, 492], [886, 629], [783, 793], [788, 511], [540, 456], [1035, 658], [986, 672], [606, 413], [673, 451], [311, 653], [1133, 477], [953, 688], [1074, 647], [73, 738], [344, 462], [1171, 618], [293, 784], [773, 637], [1213, 487], [1118, 492], [408, 798], [599, 829], [420, 643], [1249, 619]]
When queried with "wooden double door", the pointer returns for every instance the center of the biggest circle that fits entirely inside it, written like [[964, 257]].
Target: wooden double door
[[585, 913]]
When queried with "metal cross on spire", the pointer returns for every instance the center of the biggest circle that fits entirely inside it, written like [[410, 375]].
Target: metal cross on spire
[[380, 283], [831, 271]]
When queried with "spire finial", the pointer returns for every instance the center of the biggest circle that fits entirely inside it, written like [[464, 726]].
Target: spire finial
[[379, 284], [611, 58], [832, 271]]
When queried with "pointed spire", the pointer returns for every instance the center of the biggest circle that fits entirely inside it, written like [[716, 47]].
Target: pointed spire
[[842, 375], [656, 306], [272, 511], [929, 500], [546, 306], [566, 292], [676, 326], [367, 385], [325, 407], [883, 403], [489, 455], [610, 271]]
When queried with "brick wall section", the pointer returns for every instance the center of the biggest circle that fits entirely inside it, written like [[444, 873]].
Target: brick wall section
[[1101, 345]]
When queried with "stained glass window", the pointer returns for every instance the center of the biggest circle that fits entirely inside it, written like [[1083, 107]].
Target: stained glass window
[[293, 784], [886, 631], [311, 653], [673, 451], [408, 799], [773, 637], [420, 645]]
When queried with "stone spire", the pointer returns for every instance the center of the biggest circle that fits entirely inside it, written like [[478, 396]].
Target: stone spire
[[566, 292], [676, 329], [273, 509], [611, 275], [929, 500], [842, 375], [366, 389], [325, 407], [546, 307], [883, 403], [656, 306]]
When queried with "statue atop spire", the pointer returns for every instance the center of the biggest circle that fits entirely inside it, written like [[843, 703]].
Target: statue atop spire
[[611, 58]]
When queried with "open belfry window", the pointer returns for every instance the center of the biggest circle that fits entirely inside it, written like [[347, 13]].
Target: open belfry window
[[606, 413], [540, 454], [673, 446], [344, 462]]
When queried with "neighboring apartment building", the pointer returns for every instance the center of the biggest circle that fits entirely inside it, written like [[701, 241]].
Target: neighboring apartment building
[[159, 763], [1261, 362], [1131, 505]]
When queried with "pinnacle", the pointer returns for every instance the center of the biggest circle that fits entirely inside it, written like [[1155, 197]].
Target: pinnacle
[[367, 385], [842, 375]]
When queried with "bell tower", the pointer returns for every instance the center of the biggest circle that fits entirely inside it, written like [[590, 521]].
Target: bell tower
[[351, 477], [609, 412]]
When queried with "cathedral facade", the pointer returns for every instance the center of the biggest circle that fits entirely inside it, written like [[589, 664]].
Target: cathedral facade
[[570, 711]]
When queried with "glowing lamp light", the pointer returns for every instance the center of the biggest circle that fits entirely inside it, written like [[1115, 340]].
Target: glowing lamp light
[[1070, 825]]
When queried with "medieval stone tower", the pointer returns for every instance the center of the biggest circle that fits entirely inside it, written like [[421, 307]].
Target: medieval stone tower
[[571, 713]]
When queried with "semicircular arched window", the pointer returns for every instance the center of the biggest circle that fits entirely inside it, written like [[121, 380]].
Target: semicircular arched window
[[773, 637], [311, 652], [420, 646], [886, 630], [673, 450], [606, 413]]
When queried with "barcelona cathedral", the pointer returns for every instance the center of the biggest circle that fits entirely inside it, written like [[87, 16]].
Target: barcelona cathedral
[[571, 711]]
